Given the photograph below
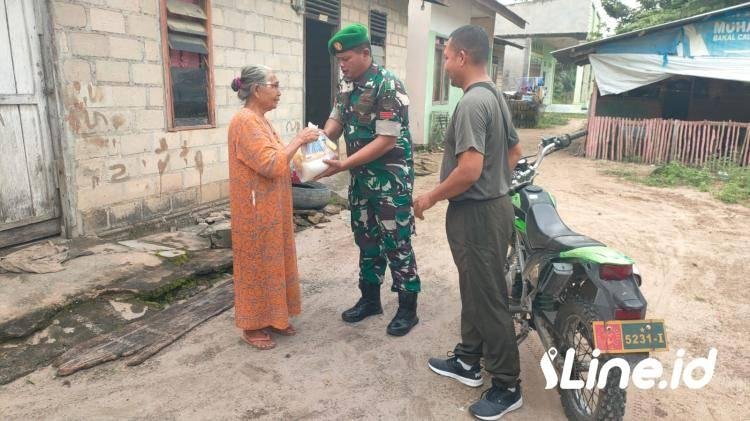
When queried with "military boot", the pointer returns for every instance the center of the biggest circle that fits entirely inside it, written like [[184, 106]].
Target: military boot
[[406, 316], [368, 305]]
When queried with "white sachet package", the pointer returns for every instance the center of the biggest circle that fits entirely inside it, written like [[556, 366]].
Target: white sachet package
[[308, 161]]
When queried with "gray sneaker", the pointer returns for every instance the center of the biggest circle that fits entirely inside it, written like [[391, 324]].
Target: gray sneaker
[[496, 402], [453, 369]]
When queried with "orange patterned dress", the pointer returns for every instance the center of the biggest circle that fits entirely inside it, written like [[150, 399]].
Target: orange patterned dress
[[266, 281]]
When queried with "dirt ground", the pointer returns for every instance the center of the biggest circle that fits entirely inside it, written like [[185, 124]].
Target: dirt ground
[[691, 250]]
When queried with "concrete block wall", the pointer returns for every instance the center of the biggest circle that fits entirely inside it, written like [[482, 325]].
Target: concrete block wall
[[549, 17], [267, 32], [358, 11], [128, 167]]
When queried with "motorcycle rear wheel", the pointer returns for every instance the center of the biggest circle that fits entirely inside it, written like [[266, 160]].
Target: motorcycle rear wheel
[[574, 330]]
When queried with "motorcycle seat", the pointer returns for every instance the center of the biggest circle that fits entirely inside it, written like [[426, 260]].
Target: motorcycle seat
[[545, 230]]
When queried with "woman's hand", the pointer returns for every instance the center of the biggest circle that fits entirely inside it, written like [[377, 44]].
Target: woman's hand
[[307, 135]]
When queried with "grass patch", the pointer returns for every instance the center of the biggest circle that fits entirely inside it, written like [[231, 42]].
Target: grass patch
[[727, 182], [677, 174], [179, 260], [549, 120]]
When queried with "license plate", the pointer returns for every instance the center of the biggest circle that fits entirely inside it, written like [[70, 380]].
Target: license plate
[[625, 336]]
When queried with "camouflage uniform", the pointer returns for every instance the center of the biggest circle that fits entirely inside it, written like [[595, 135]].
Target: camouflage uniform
[[380, 193]]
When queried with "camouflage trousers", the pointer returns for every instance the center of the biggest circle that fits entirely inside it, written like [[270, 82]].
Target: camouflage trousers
[[383, 226]]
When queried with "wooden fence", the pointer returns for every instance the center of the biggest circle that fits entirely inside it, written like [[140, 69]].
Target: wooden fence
[[658, 141]]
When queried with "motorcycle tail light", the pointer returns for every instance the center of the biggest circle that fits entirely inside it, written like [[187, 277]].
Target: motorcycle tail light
[[615, 272], [622, 314]]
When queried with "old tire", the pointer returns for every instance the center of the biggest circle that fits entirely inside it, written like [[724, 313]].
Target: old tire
[[310, 195], [574, 325]]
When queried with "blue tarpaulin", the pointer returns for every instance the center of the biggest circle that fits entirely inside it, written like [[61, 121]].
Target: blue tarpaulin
[[663, 42], [718, 48], [726, 35]]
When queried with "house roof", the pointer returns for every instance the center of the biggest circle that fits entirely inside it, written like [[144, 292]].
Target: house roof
[[503, 11], [493, 5], [499, 40], [579, 53]]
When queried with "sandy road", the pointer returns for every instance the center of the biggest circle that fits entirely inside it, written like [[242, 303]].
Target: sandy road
[[691, 250]]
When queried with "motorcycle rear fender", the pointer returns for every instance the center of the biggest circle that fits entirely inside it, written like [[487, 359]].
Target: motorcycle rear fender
[[608, 295], [611, 295]]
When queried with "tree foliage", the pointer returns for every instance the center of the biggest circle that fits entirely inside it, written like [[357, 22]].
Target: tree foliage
[[655, 12]]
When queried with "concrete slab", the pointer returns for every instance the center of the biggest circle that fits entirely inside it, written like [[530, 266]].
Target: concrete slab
[[139, 245], [183, 240], [29, 299]]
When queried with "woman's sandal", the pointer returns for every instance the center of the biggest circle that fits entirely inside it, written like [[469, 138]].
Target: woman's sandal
[[262, 342], [289, 331]]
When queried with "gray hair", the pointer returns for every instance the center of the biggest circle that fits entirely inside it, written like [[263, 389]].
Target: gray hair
[[249, 78]]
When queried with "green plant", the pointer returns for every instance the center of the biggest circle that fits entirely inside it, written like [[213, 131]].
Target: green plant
[[438, 127], [654, 12], [565, 83], [179, 260], [678, 174], [726, 181], [737, 187]]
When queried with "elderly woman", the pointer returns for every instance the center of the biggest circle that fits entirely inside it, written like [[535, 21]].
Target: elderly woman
[[266, 283]]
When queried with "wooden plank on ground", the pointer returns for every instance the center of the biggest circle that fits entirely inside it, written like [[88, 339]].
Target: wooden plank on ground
[[143, 339]]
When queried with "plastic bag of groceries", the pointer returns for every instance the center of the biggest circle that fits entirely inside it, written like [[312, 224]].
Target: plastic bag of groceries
[[308, 161]]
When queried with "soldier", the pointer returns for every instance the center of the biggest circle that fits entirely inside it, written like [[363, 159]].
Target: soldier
[[371, 110]]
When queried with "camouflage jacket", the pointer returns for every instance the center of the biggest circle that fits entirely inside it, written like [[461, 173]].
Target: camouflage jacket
[[377, 104]]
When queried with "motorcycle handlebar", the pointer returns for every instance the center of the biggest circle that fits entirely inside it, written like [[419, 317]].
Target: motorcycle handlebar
[[577, 135], [565, 140], [548, 145]]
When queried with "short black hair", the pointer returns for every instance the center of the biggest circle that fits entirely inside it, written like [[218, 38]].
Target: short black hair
[[474, 40]]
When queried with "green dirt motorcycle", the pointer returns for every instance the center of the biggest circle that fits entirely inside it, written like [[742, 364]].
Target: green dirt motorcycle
[[581, 297]]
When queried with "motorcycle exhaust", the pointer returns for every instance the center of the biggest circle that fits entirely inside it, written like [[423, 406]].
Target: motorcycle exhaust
[[557, 279]]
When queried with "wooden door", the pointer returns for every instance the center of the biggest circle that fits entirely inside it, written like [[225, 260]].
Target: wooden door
[[29, 207]]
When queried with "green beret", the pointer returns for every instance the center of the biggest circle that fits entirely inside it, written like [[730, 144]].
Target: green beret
[[348, 37]]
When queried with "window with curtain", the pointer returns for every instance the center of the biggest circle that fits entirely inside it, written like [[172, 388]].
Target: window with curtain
[[186, 39]]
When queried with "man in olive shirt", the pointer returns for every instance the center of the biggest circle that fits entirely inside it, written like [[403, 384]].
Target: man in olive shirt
[[481, 148]]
